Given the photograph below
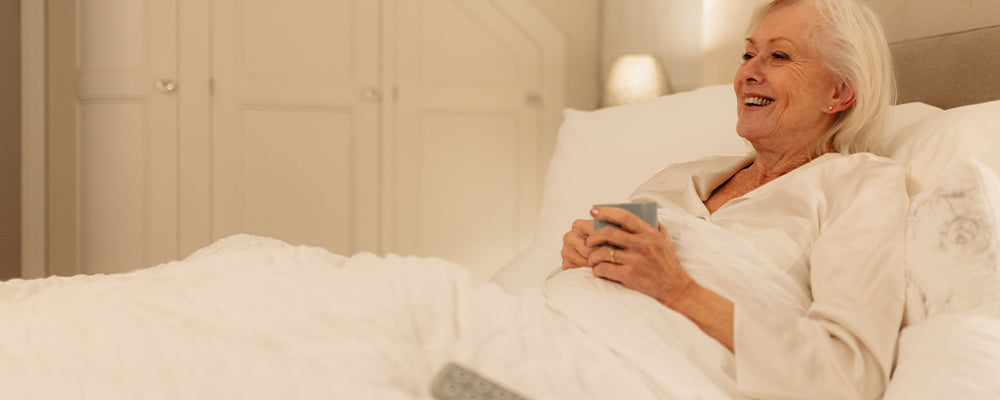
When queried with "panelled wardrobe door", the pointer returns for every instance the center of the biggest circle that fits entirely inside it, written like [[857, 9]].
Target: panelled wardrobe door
[[295, 150], [127, 133], [465, 159]]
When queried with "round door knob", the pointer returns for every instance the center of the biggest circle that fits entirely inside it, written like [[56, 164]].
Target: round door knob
[[166, 85]]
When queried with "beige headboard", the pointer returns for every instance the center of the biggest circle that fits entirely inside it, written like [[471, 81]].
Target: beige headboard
[[949, 70]]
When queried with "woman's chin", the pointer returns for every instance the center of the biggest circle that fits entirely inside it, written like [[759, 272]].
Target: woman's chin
[[750, 132]]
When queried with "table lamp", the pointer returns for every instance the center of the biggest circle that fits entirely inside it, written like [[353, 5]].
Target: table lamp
[[634, 77]]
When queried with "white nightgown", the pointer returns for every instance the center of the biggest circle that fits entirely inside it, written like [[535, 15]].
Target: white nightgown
[[836, 225]]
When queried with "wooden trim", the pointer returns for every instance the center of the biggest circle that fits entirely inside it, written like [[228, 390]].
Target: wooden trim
[[387, 129], [33, 182], [194, 108]]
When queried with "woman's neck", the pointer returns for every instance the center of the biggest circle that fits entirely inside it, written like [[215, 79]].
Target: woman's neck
[[769, 166]]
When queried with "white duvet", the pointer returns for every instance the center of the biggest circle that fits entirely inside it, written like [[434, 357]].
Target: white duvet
[[252, 317]]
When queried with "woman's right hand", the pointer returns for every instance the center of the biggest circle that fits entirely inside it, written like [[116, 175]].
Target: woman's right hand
[[575, 251]]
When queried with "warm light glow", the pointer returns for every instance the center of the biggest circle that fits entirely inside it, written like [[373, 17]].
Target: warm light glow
[[634, 77]]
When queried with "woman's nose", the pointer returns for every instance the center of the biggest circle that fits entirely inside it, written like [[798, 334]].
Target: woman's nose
[[750, 71]]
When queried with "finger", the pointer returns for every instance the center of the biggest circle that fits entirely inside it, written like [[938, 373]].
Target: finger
[[608, 235], [577, 243], [573, 259], [602, 255], [570, 264], [584, 226], [608, 271], [572, 238], [619, 216]]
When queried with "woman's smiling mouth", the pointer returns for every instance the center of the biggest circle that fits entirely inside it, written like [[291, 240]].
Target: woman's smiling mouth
[[757, 101]]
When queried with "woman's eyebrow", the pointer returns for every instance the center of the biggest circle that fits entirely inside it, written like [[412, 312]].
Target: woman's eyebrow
[[777, 39]]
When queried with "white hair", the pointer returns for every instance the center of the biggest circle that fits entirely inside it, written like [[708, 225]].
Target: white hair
[[854, 49]]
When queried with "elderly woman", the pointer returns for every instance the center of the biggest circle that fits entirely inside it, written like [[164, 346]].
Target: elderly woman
[[811, 94]]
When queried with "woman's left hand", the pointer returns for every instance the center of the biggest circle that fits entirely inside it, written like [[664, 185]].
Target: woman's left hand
[[645, 259]]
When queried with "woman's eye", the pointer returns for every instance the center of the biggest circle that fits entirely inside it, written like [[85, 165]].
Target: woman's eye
[[779, 56], [747, 56]]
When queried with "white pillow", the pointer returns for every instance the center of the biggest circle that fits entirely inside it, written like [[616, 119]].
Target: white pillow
[[902, 116], [948, 357], [601, 156], [953, 245], [930, 145]]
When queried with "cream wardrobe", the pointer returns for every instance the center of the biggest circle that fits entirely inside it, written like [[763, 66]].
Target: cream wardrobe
[[393, 126]]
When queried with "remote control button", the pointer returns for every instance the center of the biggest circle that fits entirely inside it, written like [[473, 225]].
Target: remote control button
[[460, 375], [481, 386], [451, 388]]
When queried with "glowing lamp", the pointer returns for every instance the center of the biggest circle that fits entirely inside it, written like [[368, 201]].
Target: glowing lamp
[[633, 78]]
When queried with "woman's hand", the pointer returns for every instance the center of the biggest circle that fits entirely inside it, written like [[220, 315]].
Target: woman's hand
[[643, 258], [575, 253]]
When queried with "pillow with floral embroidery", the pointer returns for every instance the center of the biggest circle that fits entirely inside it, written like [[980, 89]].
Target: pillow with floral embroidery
[[953, 245]]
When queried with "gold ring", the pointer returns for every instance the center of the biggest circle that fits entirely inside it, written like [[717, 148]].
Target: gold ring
[[613, 255]]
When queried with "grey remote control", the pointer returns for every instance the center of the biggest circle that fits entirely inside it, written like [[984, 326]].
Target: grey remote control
[[455, 382]]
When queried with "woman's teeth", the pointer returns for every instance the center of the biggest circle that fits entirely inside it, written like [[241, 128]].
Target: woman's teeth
[[757, 101]]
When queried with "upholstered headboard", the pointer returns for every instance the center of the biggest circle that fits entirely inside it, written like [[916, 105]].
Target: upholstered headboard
[[949, 70]]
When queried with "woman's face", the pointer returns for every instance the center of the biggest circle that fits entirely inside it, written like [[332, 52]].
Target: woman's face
[[782, 89]]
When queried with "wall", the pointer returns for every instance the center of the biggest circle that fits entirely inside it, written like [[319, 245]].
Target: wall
[[10, 139], [693, 38], [724, 28], [580, 22], [669, 29]]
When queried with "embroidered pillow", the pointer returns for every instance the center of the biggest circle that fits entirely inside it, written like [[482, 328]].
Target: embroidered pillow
[[953, 245]]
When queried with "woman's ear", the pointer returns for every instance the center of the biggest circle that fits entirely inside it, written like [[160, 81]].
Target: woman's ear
[[843, 98]]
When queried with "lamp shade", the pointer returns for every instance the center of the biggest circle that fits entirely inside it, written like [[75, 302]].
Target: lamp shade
[[634, 77]]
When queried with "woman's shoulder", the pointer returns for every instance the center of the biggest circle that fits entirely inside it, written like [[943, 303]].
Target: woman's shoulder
[[858, 165], [851, 174]]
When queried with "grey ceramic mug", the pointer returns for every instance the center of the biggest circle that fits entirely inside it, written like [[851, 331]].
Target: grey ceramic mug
[[646, 211]]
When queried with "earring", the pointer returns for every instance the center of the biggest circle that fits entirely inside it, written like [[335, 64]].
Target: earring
[[829, 108]]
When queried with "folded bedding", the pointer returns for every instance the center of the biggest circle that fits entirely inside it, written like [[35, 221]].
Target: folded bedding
[[252, 317]]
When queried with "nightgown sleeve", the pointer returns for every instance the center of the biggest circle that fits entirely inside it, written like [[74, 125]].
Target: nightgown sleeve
[[844, 345]]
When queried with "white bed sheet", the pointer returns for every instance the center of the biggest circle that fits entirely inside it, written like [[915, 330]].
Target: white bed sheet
[[252, 317]]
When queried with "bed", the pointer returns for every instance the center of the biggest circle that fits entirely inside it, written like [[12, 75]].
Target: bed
[[254, 317]]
